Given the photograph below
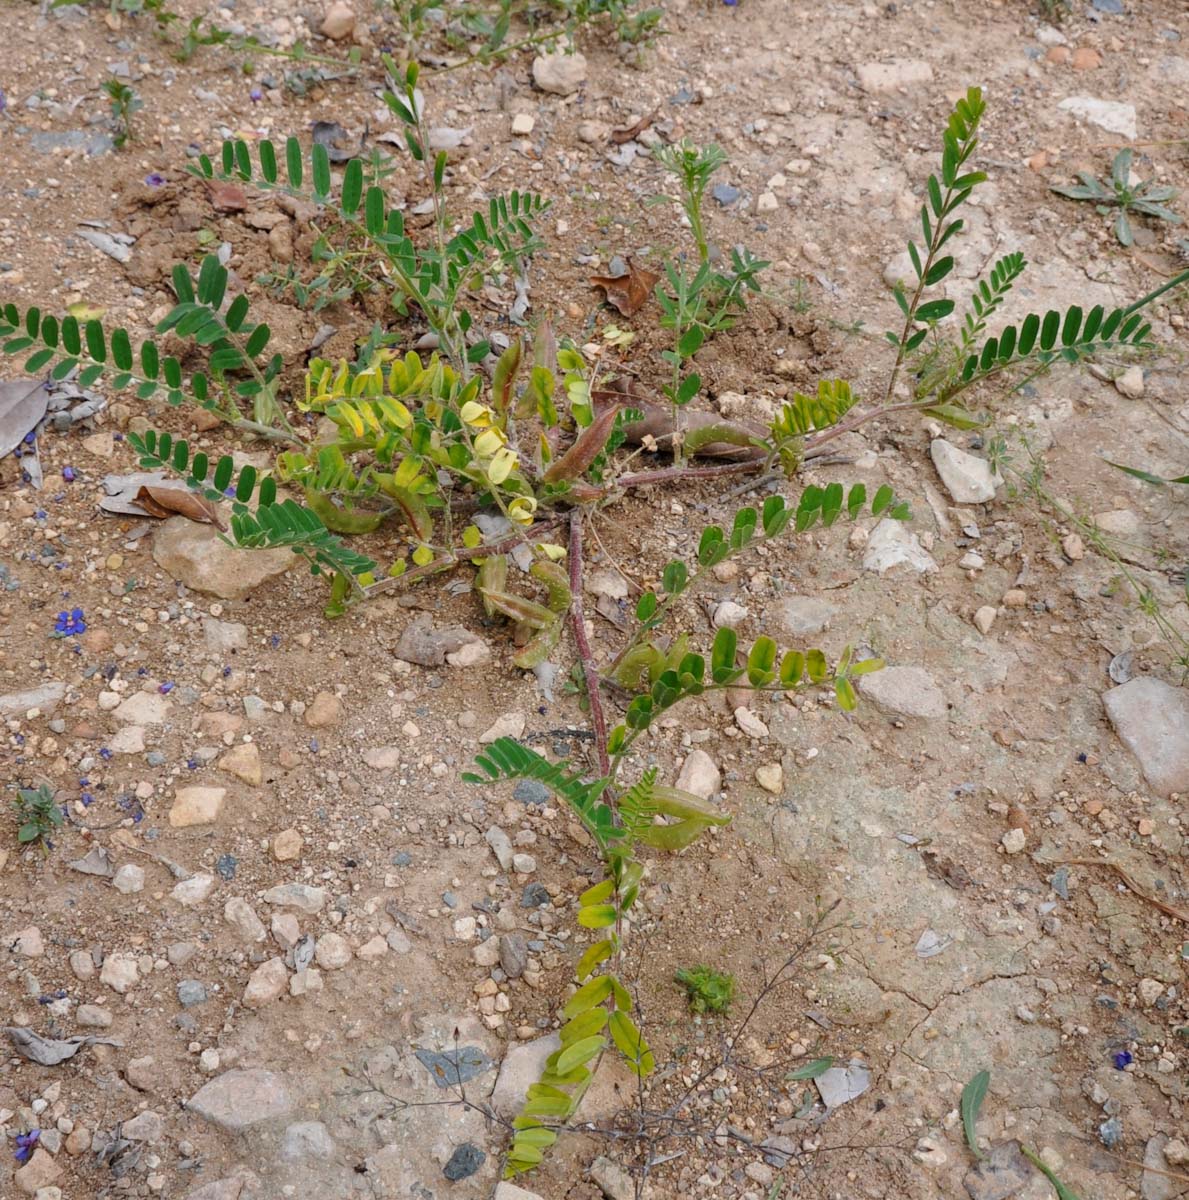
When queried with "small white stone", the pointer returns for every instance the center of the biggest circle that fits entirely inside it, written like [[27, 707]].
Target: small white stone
[[524, 864], [522, 124], [128, 879], [750, 723], [984, 618], [1131, 383], [767, 202], [699, 775], [1150, 990], [770, 777], [1014, 841], [729, 615]]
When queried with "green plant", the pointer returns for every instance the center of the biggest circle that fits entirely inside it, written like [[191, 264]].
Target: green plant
[[708, 990], [1142, 197], [38, 815], [620, 818], [490, 24], [125, 104], [702, 300], [693, 165]]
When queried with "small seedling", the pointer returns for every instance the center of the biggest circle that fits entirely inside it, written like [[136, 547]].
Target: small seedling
[[125, 103], [1142, 197], [38, 815], [709, 990]]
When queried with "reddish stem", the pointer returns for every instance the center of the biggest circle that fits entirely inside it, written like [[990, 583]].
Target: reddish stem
[[589, 671]]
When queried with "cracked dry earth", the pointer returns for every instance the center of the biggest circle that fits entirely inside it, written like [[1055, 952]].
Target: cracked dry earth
[[280, 910]]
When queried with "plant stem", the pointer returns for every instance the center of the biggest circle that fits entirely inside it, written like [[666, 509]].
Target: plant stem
[[589, 671]]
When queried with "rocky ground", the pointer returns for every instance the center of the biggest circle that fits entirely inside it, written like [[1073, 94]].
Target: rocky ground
[[305, 958]]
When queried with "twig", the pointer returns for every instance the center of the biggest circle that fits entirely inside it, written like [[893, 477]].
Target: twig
[[589, 671], [1169, 910]]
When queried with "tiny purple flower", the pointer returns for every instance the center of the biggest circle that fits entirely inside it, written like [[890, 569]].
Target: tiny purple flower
[[26, 1142], [255, 95], [87, 799], [104, 753], [166, 688], [154, 179], [1122, 1060], [68, 474], [3, 100]]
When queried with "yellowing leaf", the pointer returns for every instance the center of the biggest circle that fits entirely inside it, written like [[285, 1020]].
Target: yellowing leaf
[[502, 465], [82, 311], [472, 536], [551, 550], [423, 556]]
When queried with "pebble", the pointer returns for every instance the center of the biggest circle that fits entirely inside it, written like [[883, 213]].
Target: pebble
[[464, 1162], [1014, 841], [194, 555], [522, 124], [749, 723], [191, 993], [243, 761], [239, 1099], [267, 983], [27, 942], [562, 74], [1110, 115], [333, 951], [119, 972], [699, 775], [92, 1016], [224, 637], [1073, 547], [303, 897], [797, 617], [968, 478], [729, 615], [193, 891], [326, 709], [286, 846], [531, 791], [39, 1172], [305, 981], [338, 23], [373, 948], [892, 545], [144, 708], [513, 954], [510, 724], [905, 691], [140, 1073], [128, 879], [524, 864], [196, 806], [904, 73], [241, 916], [770, 777], [501, 846], [1131, 383], [1150, 990], [1151, 718], [984, 618]]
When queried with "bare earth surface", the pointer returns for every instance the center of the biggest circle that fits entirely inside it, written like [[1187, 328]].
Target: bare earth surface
[[307, 907]]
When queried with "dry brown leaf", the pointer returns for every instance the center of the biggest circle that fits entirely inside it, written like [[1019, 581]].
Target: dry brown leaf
[[166, 502], [627, 293], [226, 196], [628, 132]]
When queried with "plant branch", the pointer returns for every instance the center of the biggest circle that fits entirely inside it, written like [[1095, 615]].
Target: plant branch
[[589, 671]]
